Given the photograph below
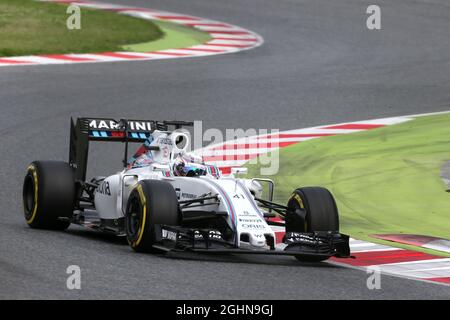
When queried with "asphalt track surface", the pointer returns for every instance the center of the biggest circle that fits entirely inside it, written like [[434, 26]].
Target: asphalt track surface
[[319, 65]]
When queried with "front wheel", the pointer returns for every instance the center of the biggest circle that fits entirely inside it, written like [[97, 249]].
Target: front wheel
[[312, 209], [151, 202]]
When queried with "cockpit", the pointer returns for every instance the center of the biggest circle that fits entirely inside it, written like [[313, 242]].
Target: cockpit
[[170, 149]]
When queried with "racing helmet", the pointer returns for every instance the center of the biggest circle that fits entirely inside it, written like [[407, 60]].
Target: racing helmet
[[182, 168]]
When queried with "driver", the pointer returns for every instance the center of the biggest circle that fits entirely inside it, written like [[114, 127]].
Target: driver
[[183, 168], [184, 164]]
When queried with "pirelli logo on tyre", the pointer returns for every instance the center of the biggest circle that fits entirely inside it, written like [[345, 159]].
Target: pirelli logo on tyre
[[32, 171], [141, 194], [299, 200]]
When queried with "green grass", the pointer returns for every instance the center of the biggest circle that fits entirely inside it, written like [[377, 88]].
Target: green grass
[[175, 36], [29, 27], [385, 180]]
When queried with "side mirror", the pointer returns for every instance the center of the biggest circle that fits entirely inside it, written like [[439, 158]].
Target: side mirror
[[271, 186]]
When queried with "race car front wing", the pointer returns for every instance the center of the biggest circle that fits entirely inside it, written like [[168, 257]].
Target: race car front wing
[[323, 244]]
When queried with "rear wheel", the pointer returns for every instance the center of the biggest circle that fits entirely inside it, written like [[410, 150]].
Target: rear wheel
[[312, 209], [151, 202], [48, 195]]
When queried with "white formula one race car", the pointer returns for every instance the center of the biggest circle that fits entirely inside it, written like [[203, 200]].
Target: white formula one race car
[[166, 199]]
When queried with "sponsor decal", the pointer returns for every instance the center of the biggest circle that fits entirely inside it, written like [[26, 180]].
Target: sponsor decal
[[248, 214], [253, 226], [165, 141], [188, 195], [104, 188], [250, 220], [169, 235], [215, 234], [212, 234], [113, 125], [184, 195], [198, 235], [294, 237]]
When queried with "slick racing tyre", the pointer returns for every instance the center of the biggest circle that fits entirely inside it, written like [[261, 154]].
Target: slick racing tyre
[[49, 195], [151, 202], [312, 209]]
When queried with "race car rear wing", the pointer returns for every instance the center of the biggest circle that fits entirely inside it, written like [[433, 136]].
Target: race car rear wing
[[84, 130]]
